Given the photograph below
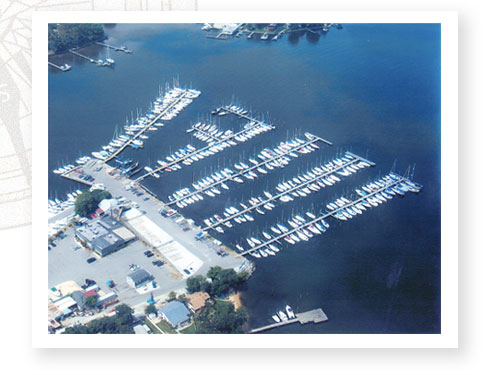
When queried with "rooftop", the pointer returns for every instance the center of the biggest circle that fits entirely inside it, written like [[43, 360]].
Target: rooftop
[[175, 312], [197, 300]]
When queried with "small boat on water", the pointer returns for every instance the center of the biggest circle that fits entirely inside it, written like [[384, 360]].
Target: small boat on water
[[290, 313], [276, 318], [282, 316]]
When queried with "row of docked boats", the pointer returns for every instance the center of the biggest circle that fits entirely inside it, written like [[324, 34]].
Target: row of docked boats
[[165, 107], [304, 228], [231, 108], [267, 159], [300, 186], [189, 154], [283, 316], [56, 205], [372, 195], [210, 133]]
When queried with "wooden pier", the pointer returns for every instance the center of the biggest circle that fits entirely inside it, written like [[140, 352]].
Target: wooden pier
[[62, 68], [243, 171], [170, 164], [122, 48], [355, 159], [314, 316], [83, 56], [323, 216]]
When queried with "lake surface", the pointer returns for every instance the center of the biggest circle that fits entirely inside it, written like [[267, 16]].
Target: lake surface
[[373, 89]]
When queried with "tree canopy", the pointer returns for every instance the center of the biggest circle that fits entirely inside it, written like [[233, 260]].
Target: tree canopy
[[63, 36], [122, 322], [221, 281], [87, 202], [221, 318], [197, 283], [224, 279]]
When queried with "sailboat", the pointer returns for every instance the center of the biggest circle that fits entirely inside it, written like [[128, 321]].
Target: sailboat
[[109, 60]]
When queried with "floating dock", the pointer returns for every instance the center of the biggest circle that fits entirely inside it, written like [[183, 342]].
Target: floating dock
[[313, 316], [355, 159], [143, 130], [246, 170], [121, 48], [210, 145], [83, 56], [63, 68], [323, 216]]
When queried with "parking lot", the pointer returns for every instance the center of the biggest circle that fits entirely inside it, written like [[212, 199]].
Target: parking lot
[[65, 263]]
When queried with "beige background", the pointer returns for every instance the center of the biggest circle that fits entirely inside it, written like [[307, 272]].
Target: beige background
[[475, 250]]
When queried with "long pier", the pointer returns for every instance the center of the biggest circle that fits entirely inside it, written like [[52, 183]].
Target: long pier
[[313, 316], [144, 129], [83, 56], [122, 48], [355, 159], [168, 165], [63, 69], [324, 216], [243, 171]]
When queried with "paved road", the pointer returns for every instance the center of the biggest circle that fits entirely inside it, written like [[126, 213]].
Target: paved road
[[67, 264]]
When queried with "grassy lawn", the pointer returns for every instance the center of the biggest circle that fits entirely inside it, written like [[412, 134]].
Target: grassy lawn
[[190, 329], [152, 327], [166, 327]]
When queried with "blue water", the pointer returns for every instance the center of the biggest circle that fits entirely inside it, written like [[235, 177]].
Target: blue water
[[372, 89]]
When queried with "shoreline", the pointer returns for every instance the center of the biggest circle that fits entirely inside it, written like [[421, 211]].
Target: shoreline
[[235, 299]]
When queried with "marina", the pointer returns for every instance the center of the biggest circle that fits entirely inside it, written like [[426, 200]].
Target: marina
[[298, 83], [299, 186], [219, 178], [250, 130], [300, 224]]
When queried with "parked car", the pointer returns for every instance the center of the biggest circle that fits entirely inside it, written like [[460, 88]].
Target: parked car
[[157, 263], [91, 260]]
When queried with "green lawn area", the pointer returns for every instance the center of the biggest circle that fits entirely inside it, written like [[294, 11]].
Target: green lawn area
[[152, 327], [166, 327], [190, 329]]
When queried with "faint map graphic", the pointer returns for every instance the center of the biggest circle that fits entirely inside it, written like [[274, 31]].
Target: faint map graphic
[[15, 92]]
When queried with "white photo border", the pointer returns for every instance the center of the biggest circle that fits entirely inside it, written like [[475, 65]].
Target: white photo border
[[448, 338]]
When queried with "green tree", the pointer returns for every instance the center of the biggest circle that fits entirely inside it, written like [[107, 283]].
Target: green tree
[[223, 280], [171, 296], [221, 318], [91, 301], [150, 309], [87, 202], [121, 323], [62, 37], [197, 283]]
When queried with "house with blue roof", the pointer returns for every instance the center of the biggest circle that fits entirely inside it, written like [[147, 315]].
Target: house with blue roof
[[176, 314]]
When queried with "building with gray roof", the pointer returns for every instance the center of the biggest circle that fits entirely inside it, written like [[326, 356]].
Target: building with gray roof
[[176, 314], [104, 235], [139, 278]]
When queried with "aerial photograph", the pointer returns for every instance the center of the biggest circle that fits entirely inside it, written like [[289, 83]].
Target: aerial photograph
[[244, 178]]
